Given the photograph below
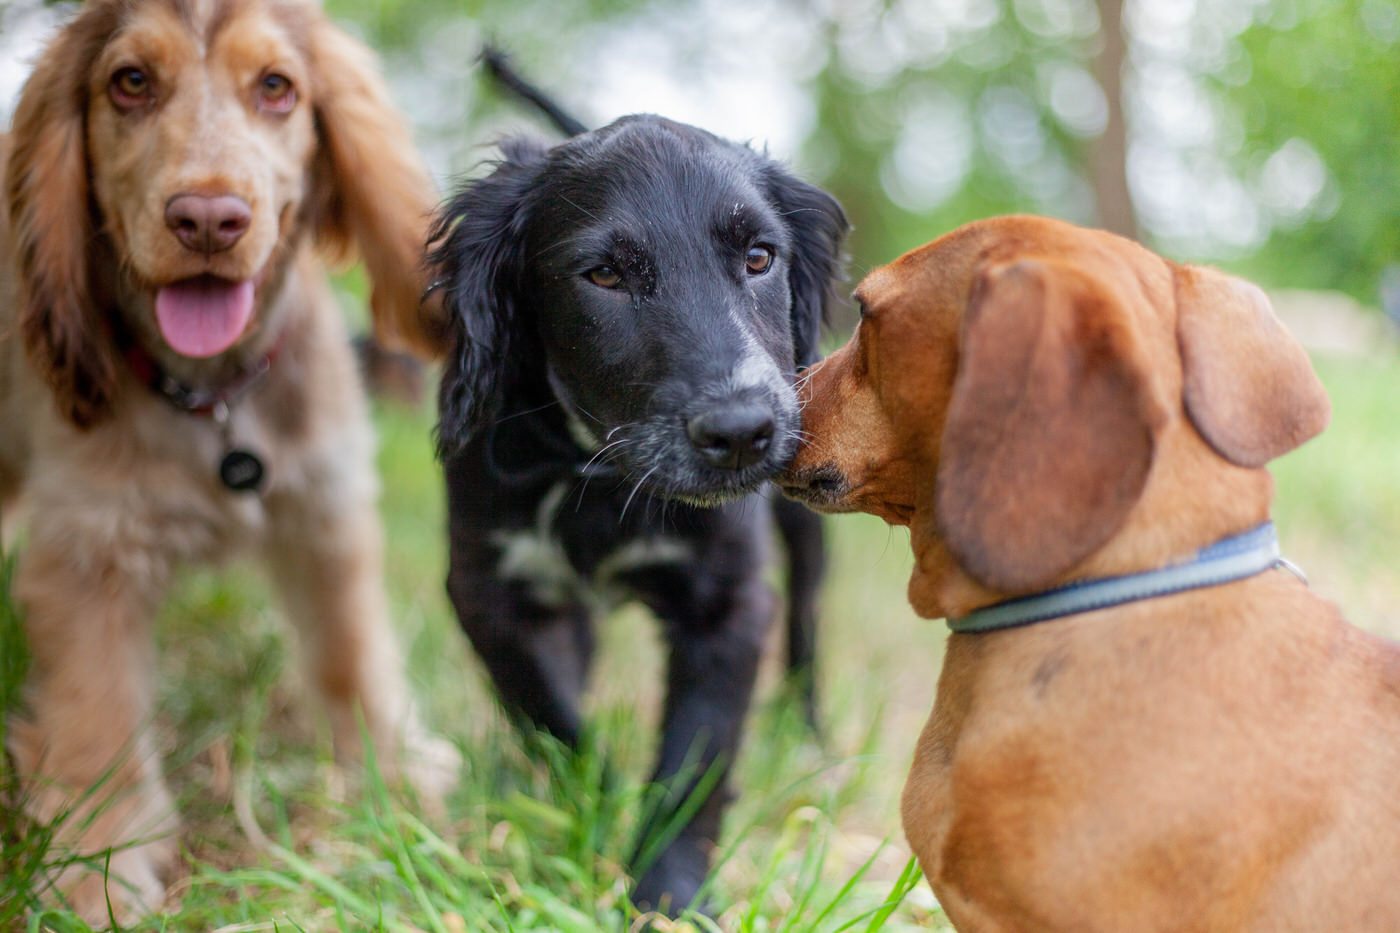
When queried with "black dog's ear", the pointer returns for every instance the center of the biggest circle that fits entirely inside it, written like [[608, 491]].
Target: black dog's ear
[[476, 250], [817, 225]]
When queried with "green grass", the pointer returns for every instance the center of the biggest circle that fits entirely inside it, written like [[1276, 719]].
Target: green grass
[[528, 841], [23, 846], [537, 841]]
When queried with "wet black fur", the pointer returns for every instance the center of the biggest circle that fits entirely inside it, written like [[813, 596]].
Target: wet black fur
[[544, 355]]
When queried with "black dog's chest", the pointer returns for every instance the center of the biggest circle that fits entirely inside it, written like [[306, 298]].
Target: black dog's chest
[[581, 548], [524, 515]]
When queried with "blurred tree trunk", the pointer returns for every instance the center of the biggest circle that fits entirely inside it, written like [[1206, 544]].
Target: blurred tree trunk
[[1108, 155]]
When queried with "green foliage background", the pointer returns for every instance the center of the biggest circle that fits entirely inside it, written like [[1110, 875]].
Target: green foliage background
[[1328, 72], [529, 845], [1323, 72]]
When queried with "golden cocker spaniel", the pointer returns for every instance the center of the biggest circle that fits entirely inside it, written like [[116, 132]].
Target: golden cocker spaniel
[[176, 384]]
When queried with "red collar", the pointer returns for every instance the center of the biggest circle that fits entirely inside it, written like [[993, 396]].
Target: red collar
[[210, 402]]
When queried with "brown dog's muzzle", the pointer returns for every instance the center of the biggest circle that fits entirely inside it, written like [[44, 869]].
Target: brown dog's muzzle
[[810, 478], [848, 462], [821, 487]]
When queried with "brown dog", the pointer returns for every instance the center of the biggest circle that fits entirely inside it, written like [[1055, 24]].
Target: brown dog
[[176, 171], [1042, 404]]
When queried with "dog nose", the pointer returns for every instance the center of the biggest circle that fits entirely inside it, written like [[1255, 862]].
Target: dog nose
[[208, 224], [734, 436], [825, 482]]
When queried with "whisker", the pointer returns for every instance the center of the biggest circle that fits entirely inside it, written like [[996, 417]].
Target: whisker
[[620, 442], [552, 248], [572, 204], [586, 413], [531, 411], [587, 476], [635, 489]]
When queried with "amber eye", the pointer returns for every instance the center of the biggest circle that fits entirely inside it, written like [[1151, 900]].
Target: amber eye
[[758, 259], [130, 87], [276, 93], [604, 277]]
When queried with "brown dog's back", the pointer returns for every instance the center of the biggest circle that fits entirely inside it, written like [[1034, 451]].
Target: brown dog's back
[[1122, 768]]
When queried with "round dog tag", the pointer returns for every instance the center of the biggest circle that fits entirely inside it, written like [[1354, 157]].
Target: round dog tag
[[241, 471]]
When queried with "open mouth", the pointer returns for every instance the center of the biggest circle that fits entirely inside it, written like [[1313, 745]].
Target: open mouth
[[204, 316]]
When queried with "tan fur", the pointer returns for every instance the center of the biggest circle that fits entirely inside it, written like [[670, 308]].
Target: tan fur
[[1225, 759], [120, 488]]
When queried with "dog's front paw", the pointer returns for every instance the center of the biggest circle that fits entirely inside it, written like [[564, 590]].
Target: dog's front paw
[[672, 883], [113, 850], [432, 765], [124, 888]]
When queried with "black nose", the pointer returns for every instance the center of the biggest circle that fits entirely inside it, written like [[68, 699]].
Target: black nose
[[733, 436], [208, 224]]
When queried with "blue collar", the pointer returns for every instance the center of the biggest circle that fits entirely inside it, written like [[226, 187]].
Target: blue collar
[[1229, 559]]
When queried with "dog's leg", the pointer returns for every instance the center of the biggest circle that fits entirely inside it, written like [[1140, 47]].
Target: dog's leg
[[326, 558], [9, 492], [714, 661], [516, 597], [803, 537], [538, 655], [91, 766]]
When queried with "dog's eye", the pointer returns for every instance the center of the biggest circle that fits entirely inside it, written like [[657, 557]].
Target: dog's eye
[[604, 277], [758, 259], [130, 87], [276, 93]]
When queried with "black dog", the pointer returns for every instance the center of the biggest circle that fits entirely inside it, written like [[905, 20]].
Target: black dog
[[631, 308]]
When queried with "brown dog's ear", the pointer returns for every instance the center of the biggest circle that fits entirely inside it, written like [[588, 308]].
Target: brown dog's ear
[[376, 195], [1247, 383], [1051, 427], [65, 334]]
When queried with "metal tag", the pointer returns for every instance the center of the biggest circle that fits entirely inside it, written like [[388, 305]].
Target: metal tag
[[241, 471]]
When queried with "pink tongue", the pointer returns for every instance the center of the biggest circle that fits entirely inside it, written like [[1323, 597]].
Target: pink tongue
[[203, 317]]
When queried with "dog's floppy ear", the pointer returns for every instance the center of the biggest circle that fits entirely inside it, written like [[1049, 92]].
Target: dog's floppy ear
[[375, 196], [476, 249], [817, 225], [1051, 427], [65, 333], [1247, 383]]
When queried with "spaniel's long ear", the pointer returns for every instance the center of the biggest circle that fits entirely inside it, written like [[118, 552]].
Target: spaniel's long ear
[[1051, 427], [65, 333], [375, 194], [476, 252], [1247, 383], [817, 225]]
